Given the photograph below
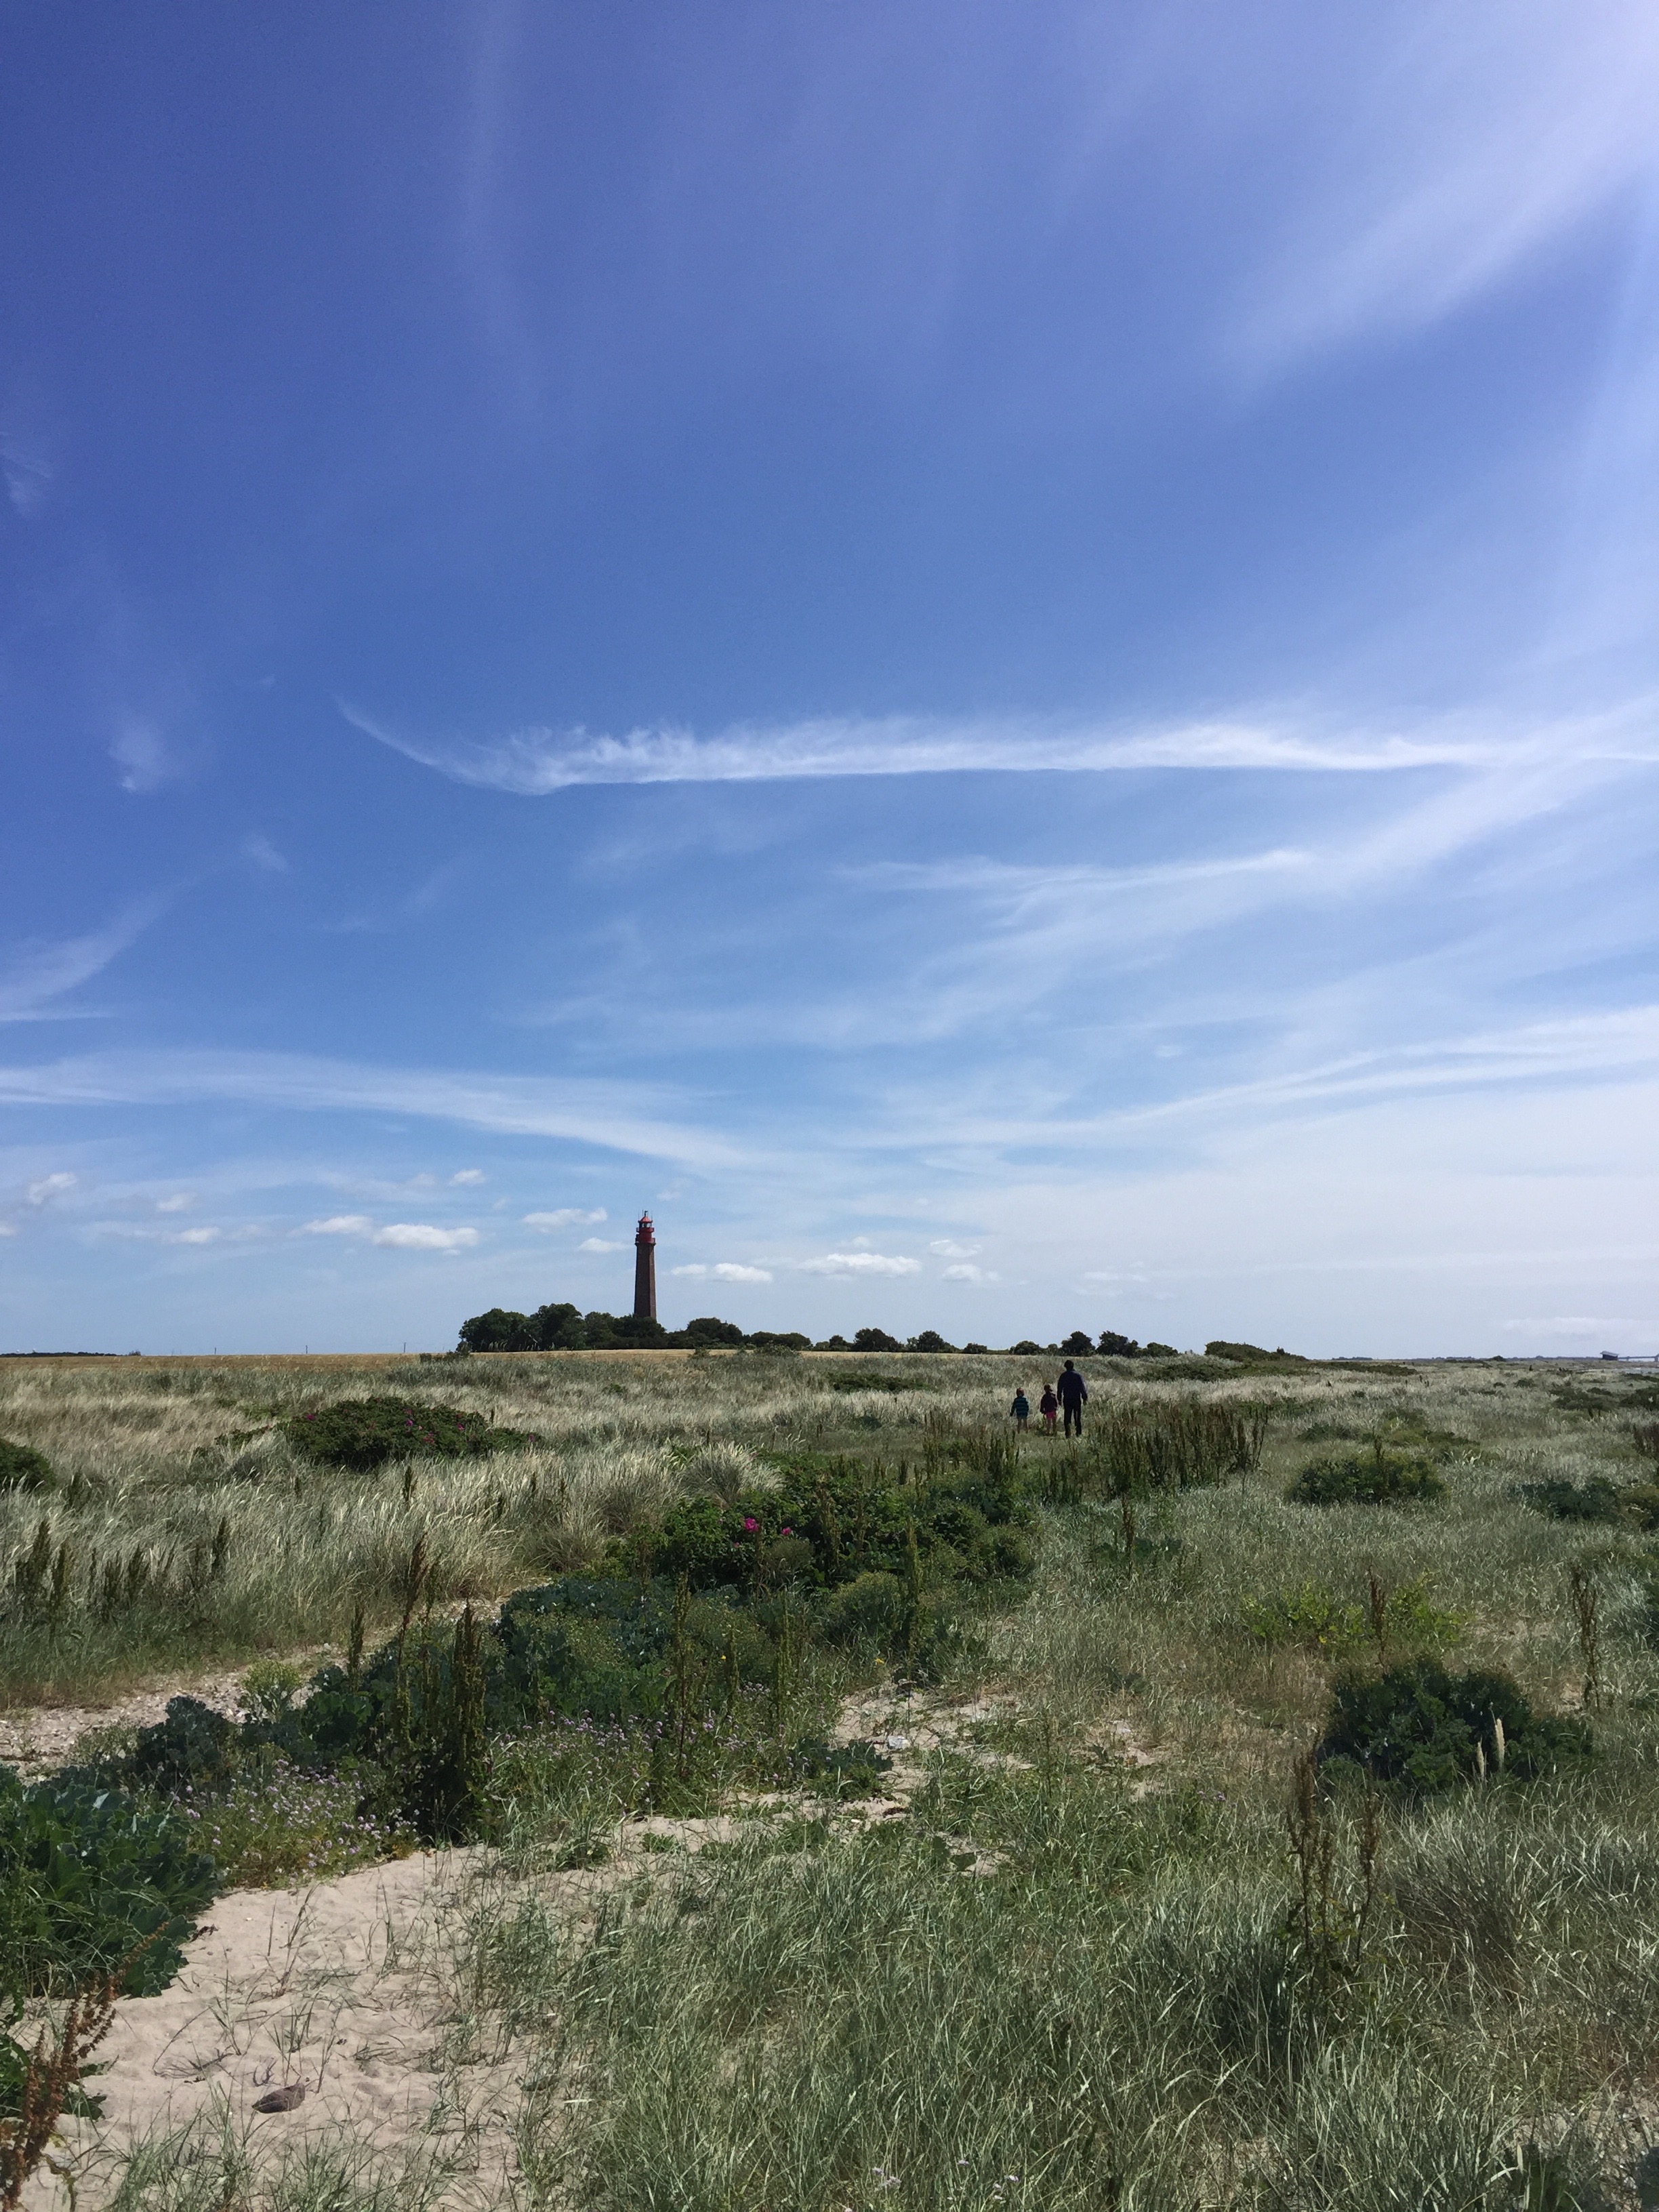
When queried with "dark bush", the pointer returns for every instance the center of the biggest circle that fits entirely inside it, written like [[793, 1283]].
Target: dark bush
[[193, 1750], [1598, 1499], [1418, 1729], [710, 1328], [929, 1340], [875, 1340], [1375, 1478], [362, 1433], [86, 1874], [22, 1468], [1079, 1343]]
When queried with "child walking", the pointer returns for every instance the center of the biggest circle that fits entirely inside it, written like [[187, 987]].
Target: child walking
[[1021, 1408], [1048, 1405]]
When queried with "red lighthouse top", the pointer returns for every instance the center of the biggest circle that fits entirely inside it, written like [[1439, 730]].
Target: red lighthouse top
[[644, 1234]]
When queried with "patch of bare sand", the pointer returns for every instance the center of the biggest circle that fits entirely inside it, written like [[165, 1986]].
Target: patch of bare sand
[[340, 1991], [35, 1739]]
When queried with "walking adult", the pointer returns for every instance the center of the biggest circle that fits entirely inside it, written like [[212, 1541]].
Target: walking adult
[[1073, 1391]]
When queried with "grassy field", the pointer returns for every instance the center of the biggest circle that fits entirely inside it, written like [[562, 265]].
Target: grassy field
[[1094, 1964]]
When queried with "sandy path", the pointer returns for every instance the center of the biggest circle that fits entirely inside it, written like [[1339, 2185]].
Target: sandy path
[[341, 1988]]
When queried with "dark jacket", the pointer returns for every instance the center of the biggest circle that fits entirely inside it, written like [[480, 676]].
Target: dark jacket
[[1071, 1388]]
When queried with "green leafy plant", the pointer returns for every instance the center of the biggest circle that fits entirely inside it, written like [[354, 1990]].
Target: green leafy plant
[[1379, 1477], [1312, 1618], [86, 1874]]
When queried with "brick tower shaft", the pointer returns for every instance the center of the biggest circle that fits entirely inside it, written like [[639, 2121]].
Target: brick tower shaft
[[645, 1270]]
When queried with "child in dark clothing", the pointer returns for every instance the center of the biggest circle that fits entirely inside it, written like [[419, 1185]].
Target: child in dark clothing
[[1021, 1407], [1048, 1405]]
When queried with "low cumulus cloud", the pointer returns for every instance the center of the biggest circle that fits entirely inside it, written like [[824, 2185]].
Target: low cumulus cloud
[[725, 1271], [467, 1176], [861, 1263], [340, 1224], [1573, 1325], [965, 1271], [48, 1188], [946, 1248], [599, 1244], [180, 1202], [563, 1217], [423, 1236]]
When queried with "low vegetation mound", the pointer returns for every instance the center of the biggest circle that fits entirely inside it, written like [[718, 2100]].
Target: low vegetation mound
[[1418, 1729], [1633, 1504], [1379, 1477], [363, 1433], [22, 1468]]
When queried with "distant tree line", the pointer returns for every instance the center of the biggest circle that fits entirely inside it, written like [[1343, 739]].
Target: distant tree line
[[564, 1328]]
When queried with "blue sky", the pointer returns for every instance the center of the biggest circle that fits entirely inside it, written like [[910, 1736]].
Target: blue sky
[[1002, 658]]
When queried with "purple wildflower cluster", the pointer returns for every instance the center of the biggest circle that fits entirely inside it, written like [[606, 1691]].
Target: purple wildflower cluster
[[291, 1826]]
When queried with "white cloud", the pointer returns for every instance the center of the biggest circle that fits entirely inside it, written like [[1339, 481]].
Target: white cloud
[[599, 1244], [340, 1224], [965, 1271], [538, 761], [180, 1202], [192, 1236], [422, 1237], [50, 1186], [860, 1263], [264, 856], [946, 1248], [1573, 1325], [8, 1229], [725, 1271], [565, 1217], [142, 753], [467, 1176]]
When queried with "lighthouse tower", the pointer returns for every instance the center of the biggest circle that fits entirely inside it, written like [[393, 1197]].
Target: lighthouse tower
[[645, 1270]]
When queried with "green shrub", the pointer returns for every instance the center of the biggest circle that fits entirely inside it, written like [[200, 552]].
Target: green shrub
[[839, 1769], [1379, 1477], [1419, 1728], [1313, 1618], [362, 1433], [1594, 1500], [22, 1468], [86, 1874]]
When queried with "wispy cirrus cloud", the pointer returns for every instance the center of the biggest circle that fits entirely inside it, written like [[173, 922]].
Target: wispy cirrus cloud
[[537, 761], [1428, 169], [38, 973], [615, 1117], [46, 1188]]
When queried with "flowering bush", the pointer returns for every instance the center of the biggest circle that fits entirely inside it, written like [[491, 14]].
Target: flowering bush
[[287, 1826]]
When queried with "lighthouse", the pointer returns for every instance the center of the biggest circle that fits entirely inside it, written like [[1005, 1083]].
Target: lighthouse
[[645, 1270]]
